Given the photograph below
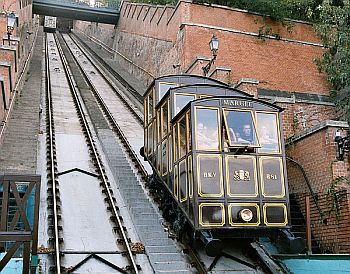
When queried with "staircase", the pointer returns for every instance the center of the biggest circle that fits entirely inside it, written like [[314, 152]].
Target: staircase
[[298, 224]]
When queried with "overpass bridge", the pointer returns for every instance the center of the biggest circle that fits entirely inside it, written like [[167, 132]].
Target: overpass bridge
[[76, 11]]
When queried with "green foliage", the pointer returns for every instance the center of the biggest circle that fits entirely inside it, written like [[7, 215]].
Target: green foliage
[[157, 2], [334, 30], [337, 192], [276, 9]]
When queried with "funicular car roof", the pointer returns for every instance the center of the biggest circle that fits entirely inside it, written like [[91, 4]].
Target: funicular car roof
[[196, 89], [263, 103], [185, 79]]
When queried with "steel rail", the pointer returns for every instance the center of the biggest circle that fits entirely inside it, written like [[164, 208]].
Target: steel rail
[[52, 158], [103, 63], [198, 263], [113, 122], [193, 254], [106, 78], [95, 154]]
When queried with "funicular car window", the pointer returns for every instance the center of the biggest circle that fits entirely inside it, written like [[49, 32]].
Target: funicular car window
[[164, 157], [145, 111], [164, 87], [150, 105], [189, 136], [240, 128], [182, 100], [268, 132], [164, 120], [150, 139], [182, 137], [175, 144], [158, 126], [207, 129]]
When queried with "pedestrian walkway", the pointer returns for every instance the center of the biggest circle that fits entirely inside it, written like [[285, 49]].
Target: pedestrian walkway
[[18, 151]]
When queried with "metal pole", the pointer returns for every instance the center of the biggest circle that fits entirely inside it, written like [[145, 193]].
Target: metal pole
[[9, 37], [308, 225]]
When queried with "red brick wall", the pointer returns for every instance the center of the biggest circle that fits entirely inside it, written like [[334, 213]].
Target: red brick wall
[[278, 65], [23, 10], [298, 117], [5, 73], [317, 155]]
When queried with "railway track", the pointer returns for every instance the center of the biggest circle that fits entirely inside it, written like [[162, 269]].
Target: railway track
[[63, 251], [129, 131], [199, 260], [125, 119]]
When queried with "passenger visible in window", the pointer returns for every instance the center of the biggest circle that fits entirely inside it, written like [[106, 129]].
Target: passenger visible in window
[[247, 135], [265, 137], [207, 138], [245, 138]]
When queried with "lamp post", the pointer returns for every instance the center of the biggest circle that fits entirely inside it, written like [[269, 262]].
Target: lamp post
[[11, 20], [343, 145], [214, 46]]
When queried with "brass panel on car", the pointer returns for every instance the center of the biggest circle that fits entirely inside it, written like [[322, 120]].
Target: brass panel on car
[[241, 176], [211, 214], [209, 174], [235, 208], [272, 179], [275, 214]]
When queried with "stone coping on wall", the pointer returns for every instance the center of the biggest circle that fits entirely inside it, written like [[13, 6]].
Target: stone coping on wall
[[246, 81], [195, 61], [217, 69], [280, 96], [12, 38], [321, 126]]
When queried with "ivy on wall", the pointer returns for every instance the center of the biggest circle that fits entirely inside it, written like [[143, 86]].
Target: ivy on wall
[[336, 194]]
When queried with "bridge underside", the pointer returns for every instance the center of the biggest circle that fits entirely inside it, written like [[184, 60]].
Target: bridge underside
[[75, 12]]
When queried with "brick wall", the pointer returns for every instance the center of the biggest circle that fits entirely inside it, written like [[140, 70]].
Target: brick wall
[[317, 155], [298, 117], [21, 40], [282, 64]]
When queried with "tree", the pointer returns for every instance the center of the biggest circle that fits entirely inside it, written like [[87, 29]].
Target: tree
[[334, 30]]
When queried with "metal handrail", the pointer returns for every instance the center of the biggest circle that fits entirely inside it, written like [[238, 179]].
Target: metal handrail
[[313, 195]]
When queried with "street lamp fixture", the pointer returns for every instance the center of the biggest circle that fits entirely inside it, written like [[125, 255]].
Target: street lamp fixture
[[343, 145], [11, 21], [214, 46]]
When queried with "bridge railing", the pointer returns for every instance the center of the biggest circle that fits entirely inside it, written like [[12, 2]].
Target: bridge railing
[[108, 4]]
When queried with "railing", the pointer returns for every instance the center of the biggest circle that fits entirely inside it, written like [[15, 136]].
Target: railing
[[20, 197], [312, 193], [109, 4]]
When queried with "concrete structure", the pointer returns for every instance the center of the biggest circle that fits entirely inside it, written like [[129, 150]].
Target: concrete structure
[[279, 66], [75, 11]]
